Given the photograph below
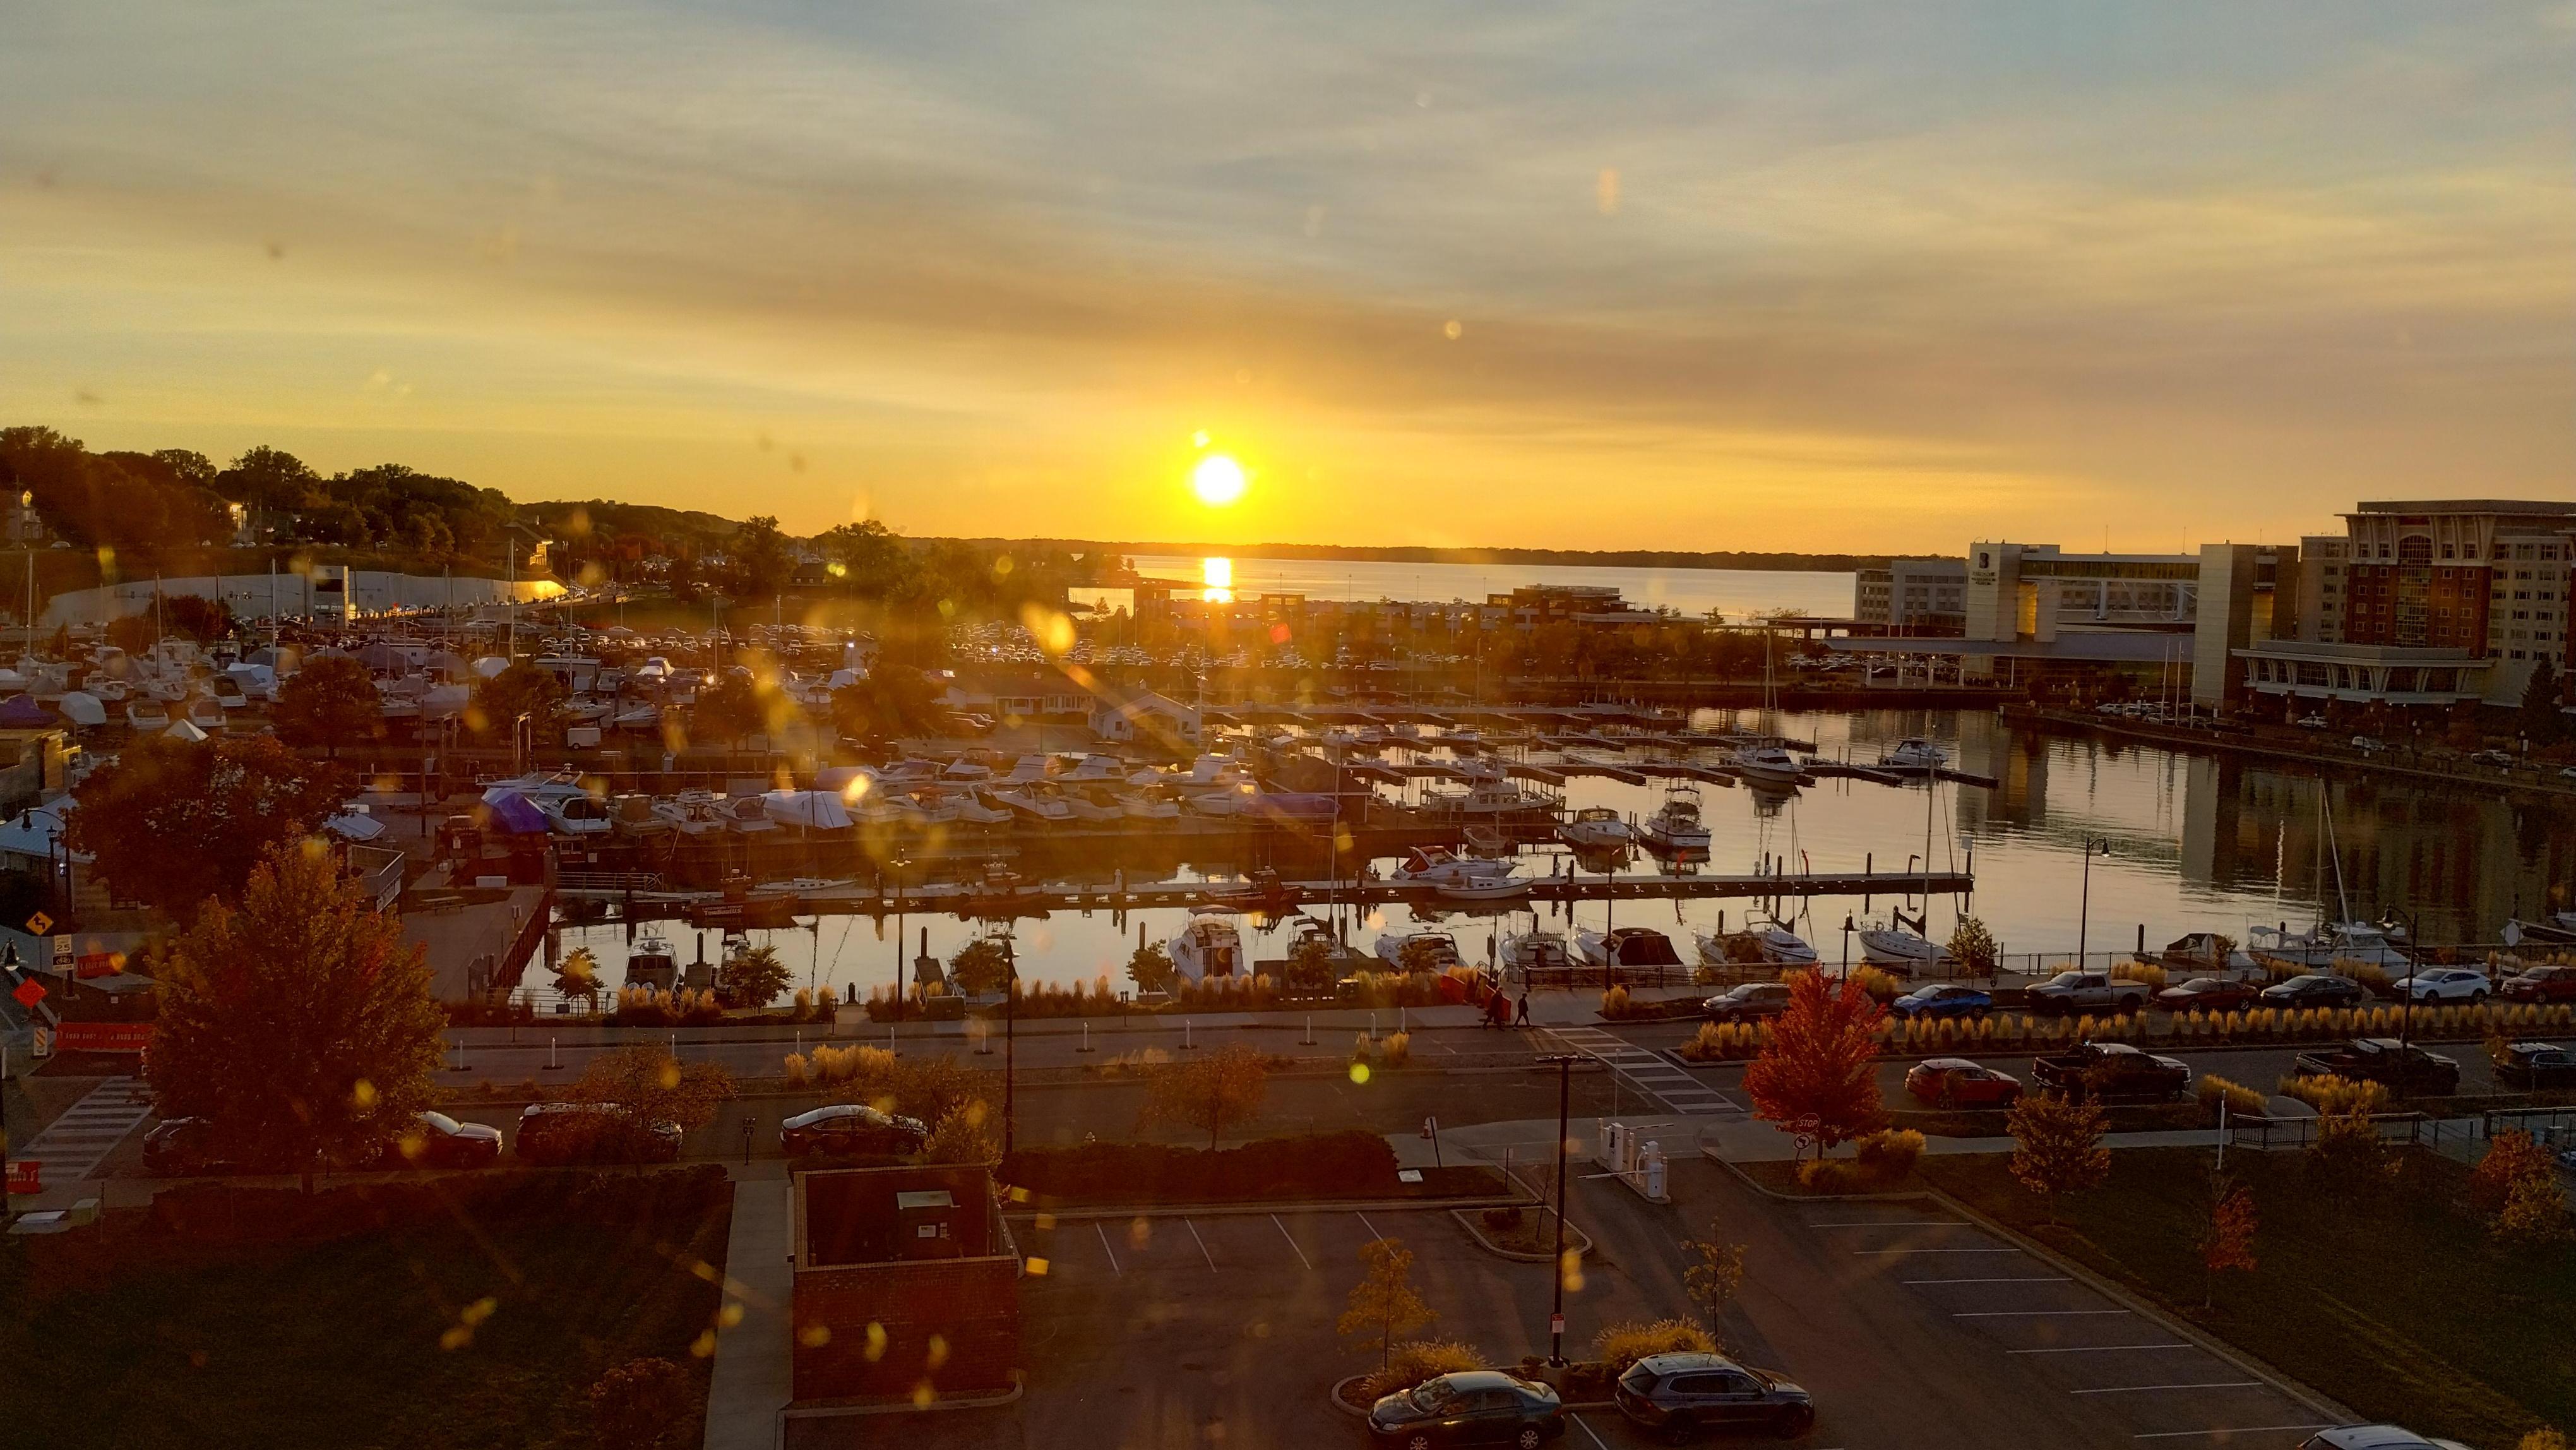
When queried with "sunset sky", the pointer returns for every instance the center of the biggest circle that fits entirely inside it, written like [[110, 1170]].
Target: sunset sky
[[1869, 276]]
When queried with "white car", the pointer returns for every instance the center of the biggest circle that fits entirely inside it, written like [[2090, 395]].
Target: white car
[[2444, 984], [2311, 722]]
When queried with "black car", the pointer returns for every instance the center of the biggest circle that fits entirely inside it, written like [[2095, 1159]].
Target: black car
[[1680, 1395], [556, 1133], [2402, 1068], [1474, 1407], [2314, 989], [1747, 1003], [439, 1141], [2532, 1066], [851, 1130], [186, 1147], [2111, 1072]]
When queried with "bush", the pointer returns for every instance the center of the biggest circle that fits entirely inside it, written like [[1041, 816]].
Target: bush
[[1399, 1048], [2241, 1100], [2147, 972], [1326, 1164], [1621, 1345], [1503, 1220], [2514, 1154], [2331, 1095], [1614, 1003], [636, 1405], [1420, 1359], [1890, 1153]]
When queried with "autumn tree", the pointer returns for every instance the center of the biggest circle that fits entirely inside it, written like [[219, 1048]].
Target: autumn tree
[[1221, 1090], [1150, 968], [577, 975], [2516, 1186], [1818, 1075], [2057, 1146], [644, 1085], [2347, 1158], [1383, 1302], [2511, 1155], [329, 702], [173, 822], [928, 1088], [1713, 1273], [2227, 1246], [962, 1135], [519, 690], [297, 1025], [753, 977], [1973, 947], [982, 965]]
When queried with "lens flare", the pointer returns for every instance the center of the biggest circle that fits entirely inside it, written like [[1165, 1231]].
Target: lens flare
[[1218, 480]]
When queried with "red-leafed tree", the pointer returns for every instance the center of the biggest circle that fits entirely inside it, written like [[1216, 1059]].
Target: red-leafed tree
[[1818, 1075], [2228, 1245]]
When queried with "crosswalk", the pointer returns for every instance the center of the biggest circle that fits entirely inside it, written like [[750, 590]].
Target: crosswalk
[[1650, 1075], [73, 1146]]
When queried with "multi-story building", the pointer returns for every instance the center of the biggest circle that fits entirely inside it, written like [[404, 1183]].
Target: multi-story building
[[1926, 596]]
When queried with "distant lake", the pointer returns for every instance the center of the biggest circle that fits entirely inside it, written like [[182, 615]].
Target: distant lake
[[1735, 592]]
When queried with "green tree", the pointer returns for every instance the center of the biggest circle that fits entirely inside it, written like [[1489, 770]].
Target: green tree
[[893, 701], [2057, 1146], [1383, 1302], [298, 1024], [194, 616], [172, 823], [1150, 967], [520, 690], [961, 1136], [2539, 718], [753, 977], [1310, 965], [1973, 947], [1217, 1091], [981, 966], [329, 702], [736, 706]]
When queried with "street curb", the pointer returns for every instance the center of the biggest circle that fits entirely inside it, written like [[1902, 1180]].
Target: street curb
[[1477, 1232], [1335, 1395], [1222, 1209], [2325, 1408], [831, 1411], [1776, 1196]]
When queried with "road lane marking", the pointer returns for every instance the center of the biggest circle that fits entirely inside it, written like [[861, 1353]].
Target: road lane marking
[[1292, 1242], [2152, 1389], [2035, 1313], [2042, 1279], [1882, 1253], [2230, 1430], [2100, 1348], [1202, 1243], [1112, 1253]]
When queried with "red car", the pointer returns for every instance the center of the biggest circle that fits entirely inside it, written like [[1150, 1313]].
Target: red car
[[2207, 994], [1955, 1082], [2539, 984]]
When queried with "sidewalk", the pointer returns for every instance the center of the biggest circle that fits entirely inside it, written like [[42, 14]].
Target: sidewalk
[[751, 1380]]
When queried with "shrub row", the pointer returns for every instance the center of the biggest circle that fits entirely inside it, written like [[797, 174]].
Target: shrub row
[[1879, 1160], [1719, 1041]]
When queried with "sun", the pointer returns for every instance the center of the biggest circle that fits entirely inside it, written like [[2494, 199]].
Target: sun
[[1218, 480]]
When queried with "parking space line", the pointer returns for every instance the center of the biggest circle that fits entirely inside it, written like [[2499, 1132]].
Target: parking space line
[[2042, 1279], [1202, 1243], [1588, 1430], [2036, 1313], [1364, 1223], [2152, 1389], [2100, 1348], [2230, 1430], [1292, 1242], [1112, 1253], [1899, 1223], [1883, 1253]]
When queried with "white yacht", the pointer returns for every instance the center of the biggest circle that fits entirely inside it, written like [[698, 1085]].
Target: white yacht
[[577, 815], [1210, 944], [1676, 824], [1036, 799], [1459, 878], [1771, 763], [1772, 943], [1149, 803], [691, 813], [2327, 943], [1914, 752], [1439, 950], [1899, 949], [145, 714], [1595, 828], [1536, 951], [207, 714]]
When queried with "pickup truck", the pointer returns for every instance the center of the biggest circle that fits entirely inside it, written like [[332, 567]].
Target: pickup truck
[[2111, 1072], [2071, 992]]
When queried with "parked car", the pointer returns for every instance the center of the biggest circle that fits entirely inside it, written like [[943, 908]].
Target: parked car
[[1747, 1003], [851, 1130], [1679, 1395], [1955, 1082], [2311, 722], [439, 1141], [186, 1148], [2111, 1072], [2071, 992], [1943, 999], [2313, 989], [557, 1133], [2403, 1068], [2539, 984], [2206, 994], [2374, 1437], [2443, 984], [2496, 758], [2369, 744], [2532, 1066], [1473, 1407]]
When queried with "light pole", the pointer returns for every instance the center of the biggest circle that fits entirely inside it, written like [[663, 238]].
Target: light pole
[[2388, 920], [1010, 1041], [1847, 931], [1563, 1062], [2084, 909]]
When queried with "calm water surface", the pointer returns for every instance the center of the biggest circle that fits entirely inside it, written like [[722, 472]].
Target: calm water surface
[[1734, 592]]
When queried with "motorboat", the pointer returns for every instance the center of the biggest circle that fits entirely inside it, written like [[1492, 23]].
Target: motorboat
[[692, 813], [1095, 802], [1914, 752], [807, 810], [1486, 842], [1226, 801], [577, 815], [652, 963], [1596, 828], [1763, 940], [206, 714], [634, 816], [227, 692], [1676, 824], [1627, 946], [921, 807], [2327, 943], [1436, 952], [1899, 949], [1536, 951], [145, 714], [1770, 763], [747, 815], [1148, 803], [2558, 929], [1489, 793], [1209, 944], [80, 707], [586, 710], [974, 810], [1105, 769], [1036, 799], [1459, 878], [638, 717]]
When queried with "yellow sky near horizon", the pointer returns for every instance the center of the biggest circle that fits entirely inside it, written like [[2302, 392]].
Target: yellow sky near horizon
[[1864, 277]]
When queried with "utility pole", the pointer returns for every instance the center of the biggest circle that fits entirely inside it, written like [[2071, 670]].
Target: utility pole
[[1010, 1043], [2084, 909], [2414, 968], [1563, 1062]]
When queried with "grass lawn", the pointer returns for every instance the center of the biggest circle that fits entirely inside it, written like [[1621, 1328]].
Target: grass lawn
[[2397, 1306], [139, 1338]]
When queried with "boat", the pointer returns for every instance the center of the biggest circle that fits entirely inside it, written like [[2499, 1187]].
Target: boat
[[227, 692], [1899, 949], [1768, 762], [638, 717], [1437, 952], [1536, 951], [80, 707], [146, 714], [634, 816], [1035, 799], [206, 714], [2327, 943], [746, 815], [807, 810], [1148, 803], [652, 963], [1914, 752], [1597, 828], [2558, 930], [1094, 802], [1486, 842], [691, 813], [1676, 824], [1446, 870], [1762, 939], [1209, 944], [972, 809], [1627, 946], [1488, 793], [577, 815]]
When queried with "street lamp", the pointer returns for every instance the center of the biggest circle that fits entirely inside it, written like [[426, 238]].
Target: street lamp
[[2084, 909], [1010, 1041], [1564, 1063], [1847, 931], [2414, 926]]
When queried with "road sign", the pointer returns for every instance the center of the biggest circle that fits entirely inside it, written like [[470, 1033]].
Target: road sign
[[29, 993], [39, 924], [1556, 1324], [26, 1176], [62, 951]]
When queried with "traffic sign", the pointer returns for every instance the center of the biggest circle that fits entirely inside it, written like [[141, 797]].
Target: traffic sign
[[26, 1176], [39, 924], [1556, 1324], [29, 993]]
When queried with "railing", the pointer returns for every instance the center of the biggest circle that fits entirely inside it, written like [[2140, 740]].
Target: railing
[[609, 881], [2413, 1129], [2553, 1126]]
